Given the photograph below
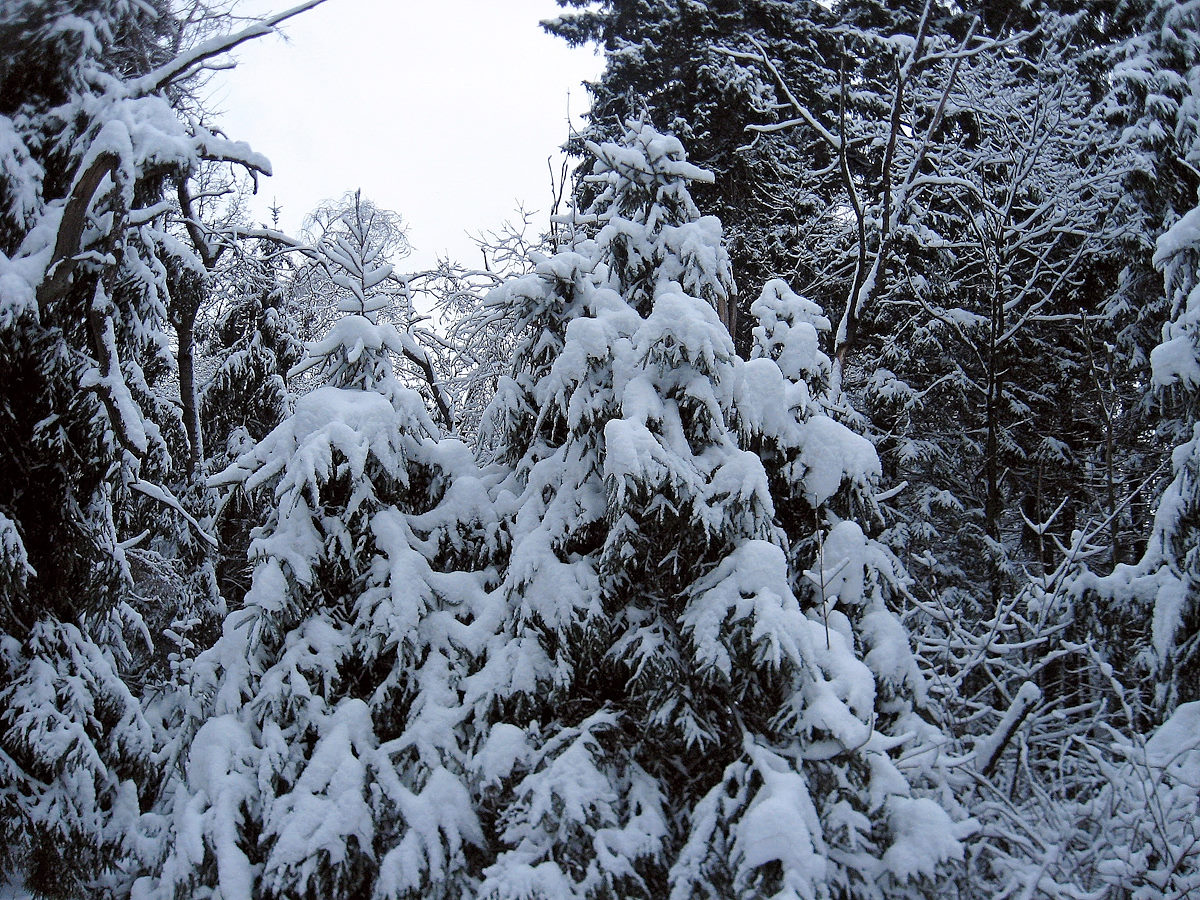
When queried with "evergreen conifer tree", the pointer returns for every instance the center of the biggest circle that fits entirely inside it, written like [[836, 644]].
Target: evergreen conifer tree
[[1151, 604], [89, 131], [1161, 589], [255, 345], [329, 737], [670, 720]]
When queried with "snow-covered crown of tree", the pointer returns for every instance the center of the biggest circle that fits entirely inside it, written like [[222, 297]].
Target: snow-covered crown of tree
[[650, 229], [355, 353], [354, 264], [645, 177], [788, 331]]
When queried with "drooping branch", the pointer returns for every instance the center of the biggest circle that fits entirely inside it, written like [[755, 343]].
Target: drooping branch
[[109, 383], [166, 498]]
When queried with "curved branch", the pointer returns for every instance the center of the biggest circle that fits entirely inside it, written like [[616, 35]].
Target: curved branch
[[188, 63], [435, 386], [192, 224], [70, 229]]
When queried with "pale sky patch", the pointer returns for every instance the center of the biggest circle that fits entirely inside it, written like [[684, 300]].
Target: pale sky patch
[[445, 112]]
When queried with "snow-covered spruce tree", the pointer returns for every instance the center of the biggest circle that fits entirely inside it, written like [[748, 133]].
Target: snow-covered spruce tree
[[1173, 553], [1152, 604], [327, 754], [1162, 588], [824, 478], [378, 237], [89, 132], [254, 344], [667, 719], [1150, 75], [383, 234]]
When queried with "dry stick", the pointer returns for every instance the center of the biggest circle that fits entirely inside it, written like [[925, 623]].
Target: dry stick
[[185, 325], [1109, 455]]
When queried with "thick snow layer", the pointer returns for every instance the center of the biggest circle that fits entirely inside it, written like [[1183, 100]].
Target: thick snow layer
[[664, 153], [506, 746], [693, 256], [1177, 358], [844, 560], [352, 421], [12, 552], [923, 837], [1183, 235], [831, 453], [312, 823], [788, 331], [769, 404], [1175, 747], [220, 771], [20, 175], [782, 826], [17, 296], [1169, 604], [750, 583], [351, 336]]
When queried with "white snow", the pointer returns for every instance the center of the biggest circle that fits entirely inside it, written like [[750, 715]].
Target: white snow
[[830, 454]]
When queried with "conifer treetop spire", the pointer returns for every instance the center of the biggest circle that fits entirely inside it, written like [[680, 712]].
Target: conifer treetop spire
[[651, 231], [644, 177]]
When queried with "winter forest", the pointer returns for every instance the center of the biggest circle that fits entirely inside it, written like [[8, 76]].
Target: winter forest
[[808, 509]]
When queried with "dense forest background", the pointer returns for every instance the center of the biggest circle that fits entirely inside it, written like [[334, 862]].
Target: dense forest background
[[810, 510]]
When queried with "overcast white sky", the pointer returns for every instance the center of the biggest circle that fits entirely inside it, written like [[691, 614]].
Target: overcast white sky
[[443, 110]]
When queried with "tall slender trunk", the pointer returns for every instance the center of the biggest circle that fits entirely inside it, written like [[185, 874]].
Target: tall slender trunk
[[991, 452], [185, 334]]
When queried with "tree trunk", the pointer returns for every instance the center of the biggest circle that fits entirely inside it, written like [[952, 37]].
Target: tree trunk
[[991, 454], [185, 333]]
